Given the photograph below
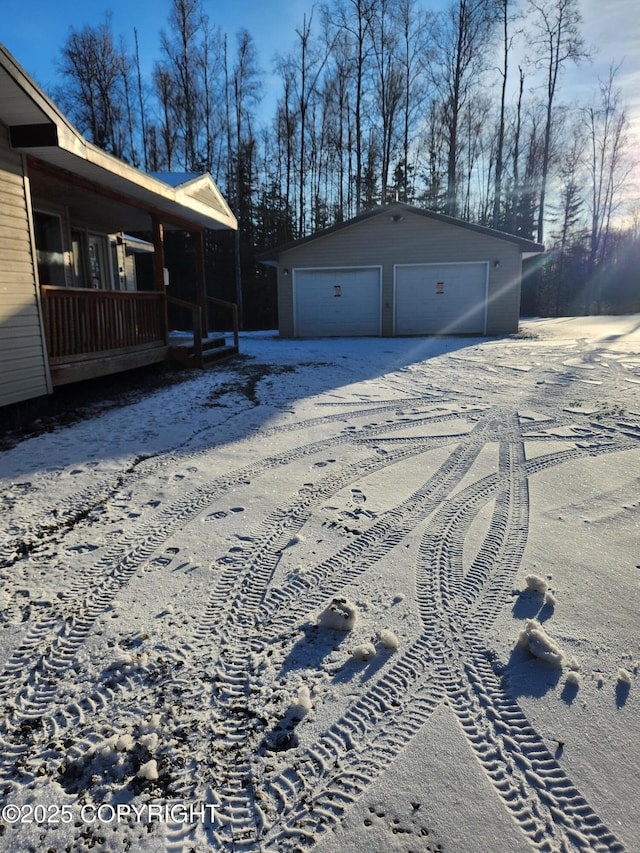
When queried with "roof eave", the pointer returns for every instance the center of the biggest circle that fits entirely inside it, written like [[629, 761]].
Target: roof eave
[[270, 257], [73, 153]]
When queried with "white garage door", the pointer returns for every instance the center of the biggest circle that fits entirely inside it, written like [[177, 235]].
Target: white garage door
[[336, 302], [445, 299]]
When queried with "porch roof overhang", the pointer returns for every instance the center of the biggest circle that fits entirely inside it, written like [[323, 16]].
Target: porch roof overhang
[[62, 162]]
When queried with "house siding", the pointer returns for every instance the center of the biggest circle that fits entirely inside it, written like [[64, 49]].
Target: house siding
[[413, 240], [23, 362]]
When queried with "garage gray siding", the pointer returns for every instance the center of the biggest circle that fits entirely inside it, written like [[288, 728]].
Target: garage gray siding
[[23, 361], [414, 239]]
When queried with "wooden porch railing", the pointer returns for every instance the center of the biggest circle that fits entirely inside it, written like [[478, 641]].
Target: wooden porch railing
[[79, 321], [107, 330], [233, 308], [198, 321]]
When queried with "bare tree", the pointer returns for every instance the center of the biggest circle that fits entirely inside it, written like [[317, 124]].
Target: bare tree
[[243, 91], [182, 47], [511, 216], [94, 96], [476, 147], [388, 86], [355, 17], [528, 198], [212, 92], [141, 104], [461, 43], [504, 9], [569, 217], [556, 40], [434, 170], [304, 69], [164, 85], [337, 106], [126, 70], [286, 129], [414, 25], [606, 126]]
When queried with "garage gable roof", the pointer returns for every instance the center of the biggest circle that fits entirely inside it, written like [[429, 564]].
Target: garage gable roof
[[398, 209], [38, 128]]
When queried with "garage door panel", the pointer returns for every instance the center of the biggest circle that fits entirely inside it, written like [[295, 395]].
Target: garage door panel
[[446, 299], [336, 302]]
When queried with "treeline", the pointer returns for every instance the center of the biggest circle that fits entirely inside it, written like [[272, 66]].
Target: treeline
[[458, 110]]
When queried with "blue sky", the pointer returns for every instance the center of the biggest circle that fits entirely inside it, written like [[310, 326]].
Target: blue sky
[[35, 41], [34, 31]]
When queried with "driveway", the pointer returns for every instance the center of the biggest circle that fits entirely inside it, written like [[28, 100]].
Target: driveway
[[339, 595]]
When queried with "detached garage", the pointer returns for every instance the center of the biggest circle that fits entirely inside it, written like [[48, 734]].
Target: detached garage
[[400, 270]]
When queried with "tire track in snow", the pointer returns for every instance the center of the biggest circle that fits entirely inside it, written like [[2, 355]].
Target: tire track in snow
[[355, 558], [316, 809], [361, 721], [365, 732], [134, 548], [54, 641], [332, 574], [73, 509], [540, 797], [78, 508]]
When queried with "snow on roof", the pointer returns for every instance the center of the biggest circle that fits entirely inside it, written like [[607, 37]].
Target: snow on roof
[[176, 179]]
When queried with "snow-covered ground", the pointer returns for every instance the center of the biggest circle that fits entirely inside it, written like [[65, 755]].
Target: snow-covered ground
[[342, 595]]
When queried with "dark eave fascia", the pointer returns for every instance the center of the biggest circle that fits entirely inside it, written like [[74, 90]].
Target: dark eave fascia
[[33, 135]]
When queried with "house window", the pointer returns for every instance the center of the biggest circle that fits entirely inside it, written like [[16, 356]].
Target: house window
[[49, 250]]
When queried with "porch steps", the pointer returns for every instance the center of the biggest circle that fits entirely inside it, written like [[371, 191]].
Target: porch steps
[[182, 351]]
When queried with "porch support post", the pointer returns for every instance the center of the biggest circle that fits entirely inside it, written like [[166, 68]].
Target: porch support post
[[158, 253], [201, 284], [158, 266]]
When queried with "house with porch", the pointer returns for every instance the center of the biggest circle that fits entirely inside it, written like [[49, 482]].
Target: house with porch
[[71, 305]]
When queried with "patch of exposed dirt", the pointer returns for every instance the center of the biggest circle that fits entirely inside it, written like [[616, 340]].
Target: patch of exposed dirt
[[73, 403]]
